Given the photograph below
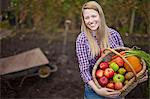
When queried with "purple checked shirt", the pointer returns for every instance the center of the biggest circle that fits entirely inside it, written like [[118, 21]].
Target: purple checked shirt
[[85, 60]]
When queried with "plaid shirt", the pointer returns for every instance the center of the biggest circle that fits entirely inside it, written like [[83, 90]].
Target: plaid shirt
[[85, 60]]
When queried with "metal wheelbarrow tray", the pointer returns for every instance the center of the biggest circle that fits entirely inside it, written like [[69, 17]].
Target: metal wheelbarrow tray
[[32, 62]]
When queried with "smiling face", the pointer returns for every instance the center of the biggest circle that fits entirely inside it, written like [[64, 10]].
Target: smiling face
[[91, 18]]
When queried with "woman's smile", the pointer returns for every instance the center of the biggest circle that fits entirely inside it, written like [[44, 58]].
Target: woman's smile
[[92, 19]]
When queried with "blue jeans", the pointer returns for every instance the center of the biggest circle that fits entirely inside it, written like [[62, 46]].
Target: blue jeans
[[89, 93]]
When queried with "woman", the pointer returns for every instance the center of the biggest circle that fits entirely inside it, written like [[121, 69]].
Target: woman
[[95, 36]]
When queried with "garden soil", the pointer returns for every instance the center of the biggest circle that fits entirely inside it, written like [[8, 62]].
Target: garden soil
[[65, 83]]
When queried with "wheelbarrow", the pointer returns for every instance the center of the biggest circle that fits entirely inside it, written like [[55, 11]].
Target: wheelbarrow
[[26, 64]]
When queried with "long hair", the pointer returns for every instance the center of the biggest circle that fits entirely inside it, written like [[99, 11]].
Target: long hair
[[102, 32]]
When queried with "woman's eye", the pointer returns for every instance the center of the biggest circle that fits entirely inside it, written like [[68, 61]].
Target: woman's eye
[[86, 17], [93, 16]]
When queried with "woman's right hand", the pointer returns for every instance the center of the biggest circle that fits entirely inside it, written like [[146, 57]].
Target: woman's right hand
[[108, 92]]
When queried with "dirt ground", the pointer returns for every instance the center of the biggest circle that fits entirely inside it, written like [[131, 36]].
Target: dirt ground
[[63, 84]]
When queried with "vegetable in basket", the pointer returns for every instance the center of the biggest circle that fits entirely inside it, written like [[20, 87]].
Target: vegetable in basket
[[128, 75], [139, 53]]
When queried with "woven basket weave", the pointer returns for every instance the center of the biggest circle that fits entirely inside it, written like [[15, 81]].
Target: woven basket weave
[[132, 82]]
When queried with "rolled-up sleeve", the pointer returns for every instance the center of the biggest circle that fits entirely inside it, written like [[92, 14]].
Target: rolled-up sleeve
[[84, 65]]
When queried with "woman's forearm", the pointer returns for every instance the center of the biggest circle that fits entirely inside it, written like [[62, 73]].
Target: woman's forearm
[[92, 84]]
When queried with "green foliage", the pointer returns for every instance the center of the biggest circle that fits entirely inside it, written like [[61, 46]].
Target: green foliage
[[66, 5], [51, 14], [4, 24], [15, 3]]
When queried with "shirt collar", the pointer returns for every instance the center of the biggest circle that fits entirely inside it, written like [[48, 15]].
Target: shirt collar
[[93, 34]]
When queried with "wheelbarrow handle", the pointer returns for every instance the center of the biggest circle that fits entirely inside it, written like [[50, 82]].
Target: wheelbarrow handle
[[54, 68]]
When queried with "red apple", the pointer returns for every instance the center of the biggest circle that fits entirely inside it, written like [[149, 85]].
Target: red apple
[[119, 61], [103, 81], [103, 65], [110, 85], [99, 73], [109, 72], [118, 85]]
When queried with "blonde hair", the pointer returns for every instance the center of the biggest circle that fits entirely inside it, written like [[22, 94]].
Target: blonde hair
[[102, 32]]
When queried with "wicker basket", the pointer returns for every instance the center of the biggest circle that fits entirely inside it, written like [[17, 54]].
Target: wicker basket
[[132, 82]]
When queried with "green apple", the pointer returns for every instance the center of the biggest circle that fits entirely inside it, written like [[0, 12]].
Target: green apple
[[122, 71], [118, 78], [114, 66]]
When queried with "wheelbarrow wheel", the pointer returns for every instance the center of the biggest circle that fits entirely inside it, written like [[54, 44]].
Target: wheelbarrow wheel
[[45, 71]]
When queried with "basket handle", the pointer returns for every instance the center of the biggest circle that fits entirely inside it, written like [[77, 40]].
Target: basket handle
[[125, 60]]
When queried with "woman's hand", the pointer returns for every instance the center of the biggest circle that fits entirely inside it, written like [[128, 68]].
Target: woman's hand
[[108, 92]]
